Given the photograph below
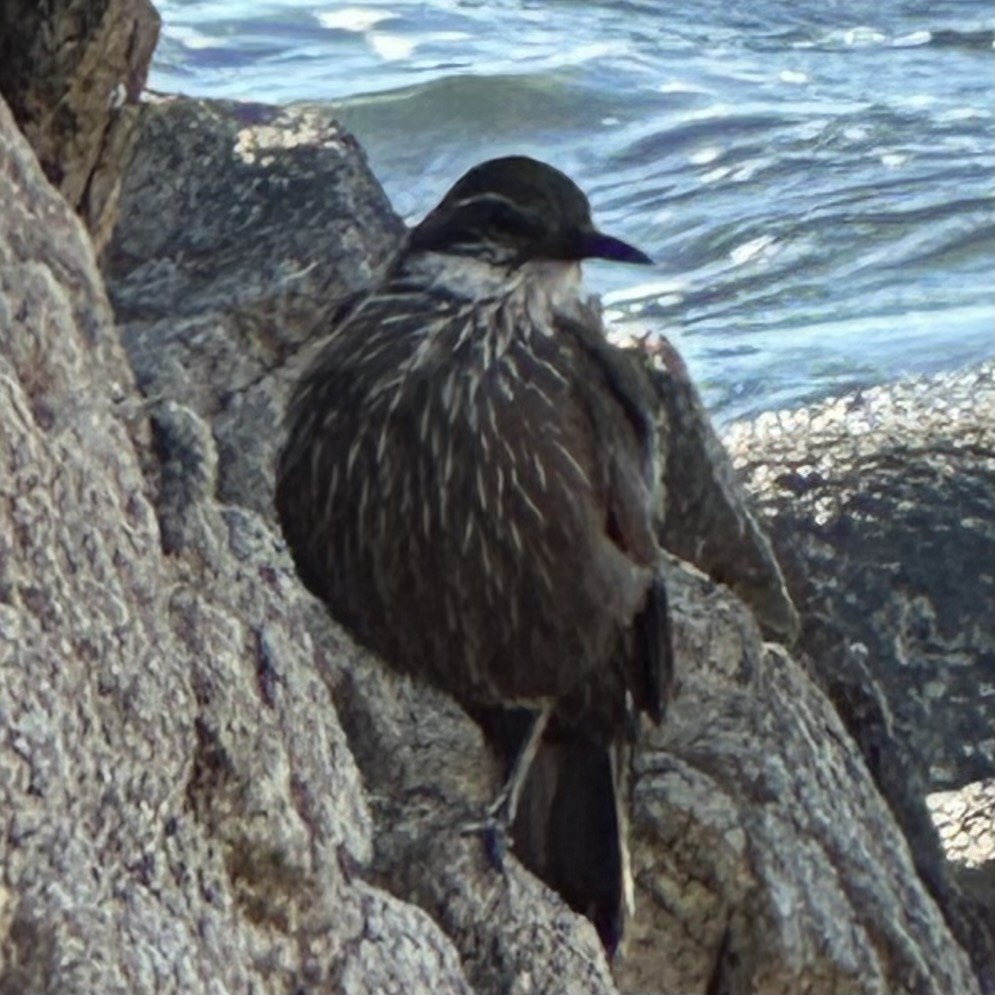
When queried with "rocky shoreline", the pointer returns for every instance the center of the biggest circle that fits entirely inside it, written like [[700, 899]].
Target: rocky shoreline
[[204, 786]]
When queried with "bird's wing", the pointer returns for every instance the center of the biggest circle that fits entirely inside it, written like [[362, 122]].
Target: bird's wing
[[618, 400]]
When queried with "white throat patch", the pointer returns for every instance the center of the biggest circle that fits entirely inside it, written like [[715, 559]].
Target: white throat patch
[[539, 288]]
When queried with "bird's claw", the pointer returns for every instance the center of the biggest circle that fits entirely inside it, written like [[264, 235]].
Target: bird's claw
[[494, 830]]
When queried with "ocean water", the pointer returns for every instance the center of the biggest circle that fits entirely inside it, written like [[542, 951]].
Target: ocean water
[[814, 180]]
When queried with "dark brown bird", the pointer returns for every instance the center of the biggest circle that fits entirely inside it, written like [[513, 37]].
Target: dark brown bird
[[468, 482]]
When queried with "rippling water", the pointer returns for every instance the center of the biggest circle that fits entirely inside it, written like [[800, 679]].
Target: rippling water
[[814, 179]]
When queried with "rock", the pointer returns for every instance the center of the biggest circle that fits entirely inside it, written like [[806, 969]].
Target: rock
[[765, 858], [879, 505], [71, 72], [226, 204], [242, 230], [179, 810], [707, 519]]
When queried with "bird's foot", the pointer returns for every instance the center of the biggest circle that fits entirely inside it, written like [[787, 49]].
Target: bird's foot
[[495, 829], [500, 817]]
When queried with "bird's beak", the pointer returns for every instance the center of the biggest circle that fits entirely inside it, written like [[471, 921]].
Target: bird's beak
[[597, 245]]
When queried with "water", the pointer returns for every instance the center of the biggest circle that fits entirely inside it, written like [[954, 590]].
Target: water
[[814, 179]]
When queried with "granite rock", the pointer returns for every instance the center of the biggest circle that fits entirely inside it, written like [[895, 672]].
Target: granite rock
[[879, 505], [242, 229], [179, 808], [765, 858]]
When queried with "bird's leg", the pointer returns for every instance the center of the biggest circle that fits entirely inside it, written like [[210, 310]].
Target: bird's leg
[[504, 808], [501, 812]]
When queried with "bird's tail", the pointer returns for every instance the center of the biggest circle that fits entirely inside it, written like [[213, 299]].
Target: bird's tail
[[571, 827]]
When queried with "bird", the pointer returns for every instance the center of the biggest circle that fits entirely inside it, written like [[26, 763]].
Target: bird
[[469, 480]]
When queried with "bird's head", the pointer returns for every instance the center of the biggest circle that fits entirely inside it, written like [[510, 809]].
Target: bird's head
[[515, 210]]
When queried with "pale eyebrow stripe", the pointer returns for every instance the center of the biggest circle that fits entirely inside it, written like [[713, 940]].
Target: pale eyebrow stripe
[[484, 197]]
